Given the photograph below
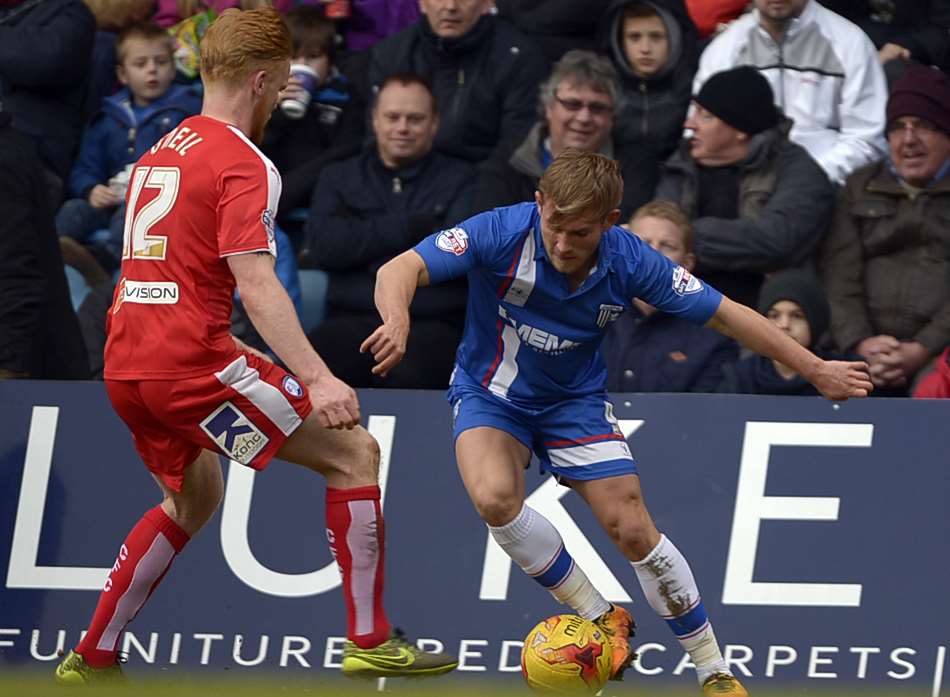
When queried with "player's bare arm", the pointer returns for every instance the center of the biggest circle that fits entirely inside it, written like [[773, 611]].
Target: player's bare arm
[[274, 317], [250, 349], [396, 283], [838, 380]]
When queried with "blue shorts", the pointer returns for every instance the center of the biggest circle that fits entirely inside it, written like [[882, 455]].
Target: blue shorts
[[574, 439]]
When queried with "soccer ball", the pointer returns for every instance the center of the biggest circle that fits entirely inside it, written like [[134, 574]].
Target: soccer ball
[[566, 654]]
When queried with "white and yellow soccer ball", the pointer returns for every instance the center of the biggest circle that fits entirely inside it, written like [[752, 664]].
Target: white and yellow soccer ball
[[566, 654]]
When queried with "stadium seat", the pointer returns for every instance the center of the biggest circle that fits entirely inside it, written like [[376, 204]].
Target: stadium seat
[[313, 291], [78, 289]]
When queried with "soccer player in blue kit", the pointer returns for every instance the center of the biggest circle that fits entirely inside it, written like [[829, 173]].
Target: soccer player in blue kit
[[545, 279]]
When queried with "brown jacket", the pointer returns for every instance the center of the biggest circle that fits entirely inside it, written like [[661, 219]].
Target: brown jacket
[[886, 261]]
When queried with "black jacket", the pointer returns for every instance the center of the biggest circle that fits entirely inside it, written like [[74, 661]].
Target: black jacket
[[45, 54], [756, 374], [503, 182], [655, 108], [663, 353], [363, 214], [485, 83], [557, 26], [39, 333], [785, 206]]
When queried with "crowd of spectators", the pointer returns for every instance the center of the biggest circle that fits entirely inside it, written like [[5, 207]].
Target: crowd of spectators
[[793, 153]]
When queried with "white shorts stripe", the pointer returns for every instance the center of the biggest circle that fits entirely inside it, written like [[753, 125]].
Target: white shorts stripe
[[270, 400], [589, 454], [508, 368], [147, 571], [363, 544]]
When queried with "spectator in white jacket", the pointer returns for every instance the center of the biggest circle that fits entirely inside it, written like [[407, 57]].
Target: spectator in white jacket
[[824, 72]]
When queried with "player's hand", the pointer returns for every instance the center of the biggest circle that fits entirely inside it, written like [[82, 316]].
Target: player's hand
[[334, 403], [388, 346], [101, 196], [840, 380]]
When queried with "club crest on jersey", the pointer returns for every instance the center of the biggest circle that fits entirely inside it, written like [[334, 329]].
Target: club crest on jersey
[[292, 387], [234, 434], [454, 241], [608, 313], [685, 283]]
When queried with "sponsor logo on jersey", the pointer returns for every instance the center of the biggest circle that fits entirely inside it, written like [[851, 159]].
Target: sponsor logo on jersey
[[685, 283], [146, 293], [454, 241], [608, 313], [538, 339], [234, 434], [292, 387]]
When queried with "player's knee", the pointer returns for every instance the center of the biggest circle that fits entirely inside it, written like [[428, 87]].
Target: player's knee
[[361, 462], [497, 508], [635, 536]]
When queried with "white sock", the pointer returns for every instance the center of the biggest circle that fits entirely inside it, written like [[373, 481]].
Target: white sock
[[671, 591], [535, 545]]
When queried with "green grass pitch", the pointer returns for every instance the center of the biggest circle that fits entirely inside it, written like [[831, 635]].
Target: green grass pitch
[[33, 684]]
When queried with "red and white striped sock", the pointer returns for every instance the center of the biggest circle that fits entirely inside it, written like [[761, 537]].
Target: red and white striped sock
[[143, 559], [357, 538]]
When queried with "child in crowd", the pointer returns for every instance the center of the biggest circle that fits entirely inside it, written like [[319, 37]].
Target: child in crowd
[[651, 351], [130, 122], [332, 126], [796, 303]]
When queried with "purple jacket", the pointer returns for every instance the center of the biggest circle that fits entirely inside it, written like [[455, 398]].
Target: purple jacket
[[167, 13], [373, 20]]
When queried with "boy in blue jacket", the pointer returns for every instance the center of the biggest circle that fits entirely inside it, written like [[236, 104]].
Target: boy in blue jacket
[[130, 122]]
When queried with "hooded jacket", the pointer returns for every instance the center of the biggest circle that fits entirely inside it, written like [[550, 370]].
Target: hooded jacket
[[485, 83], [654, 108], [118, 136]]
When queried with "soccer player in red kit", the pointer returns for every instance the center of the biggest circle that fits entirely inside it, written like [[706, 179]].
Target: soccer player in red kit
[[200, 217]]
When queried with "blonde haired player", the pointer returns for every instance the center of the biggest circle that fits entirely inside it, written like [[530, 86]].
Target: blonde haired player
[[201, 207], [545, 279]]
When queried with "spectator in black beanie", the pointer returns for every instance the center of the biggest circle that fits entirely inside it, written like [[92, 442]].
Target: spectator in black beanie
[[758, 203], [795, 302]]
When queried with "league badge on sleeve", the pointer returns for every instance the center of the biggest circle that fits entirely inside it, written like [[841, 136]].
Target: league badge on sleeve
[[292, 387], [685, 283], [454, 241]]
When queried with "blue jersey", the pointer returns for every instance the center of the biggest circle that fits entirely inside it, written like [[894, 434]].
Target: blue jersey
[[528, 338]]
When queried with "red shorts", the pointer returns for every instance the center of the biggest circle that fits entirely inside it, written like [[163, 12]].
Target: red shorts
[[245, 411]]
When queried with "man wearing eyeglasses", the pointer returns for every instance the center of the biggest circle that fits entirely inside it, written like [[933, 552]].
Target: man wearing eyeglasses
[[886, 261], [579, 102]]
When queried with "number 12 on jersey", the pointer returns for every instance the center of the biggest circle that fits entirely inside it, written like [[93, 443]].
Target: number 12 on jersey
[[137, 243]]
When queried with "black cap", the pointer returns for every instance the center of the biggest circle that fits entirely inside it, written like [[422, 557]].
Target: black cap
[[802, 288], [742, 98]]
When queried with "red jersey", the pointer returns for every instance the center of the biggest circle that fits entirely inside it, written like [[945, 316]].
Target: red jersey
[[202, 193]]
